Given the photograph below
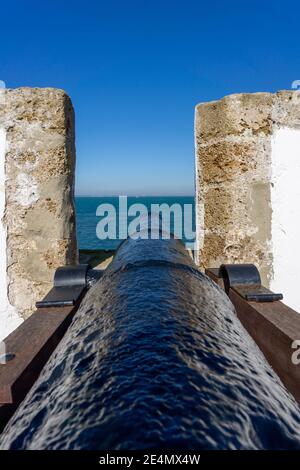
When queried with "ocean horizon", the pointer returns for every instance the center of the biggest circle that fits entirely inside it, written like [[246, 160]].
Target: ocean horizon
[[87, 220]]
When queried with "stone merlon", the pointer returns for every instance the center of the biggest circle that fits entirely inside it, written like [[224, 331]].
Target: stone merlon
[[37, 160], [247, 185]]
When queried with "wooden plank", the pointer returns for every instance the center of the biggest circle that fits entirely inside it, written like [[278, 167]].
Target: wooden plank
[[32, 343], [213, 273], [274, 327]]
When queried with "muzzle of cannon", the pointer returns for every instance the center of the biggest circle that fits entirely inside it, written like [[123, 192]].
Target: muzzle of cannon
[[155, 357]]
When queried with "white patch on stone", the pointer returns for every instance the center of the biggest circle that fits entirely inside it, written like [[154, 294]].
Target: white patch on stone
[[285, 197], [9, 319], [27, 190]]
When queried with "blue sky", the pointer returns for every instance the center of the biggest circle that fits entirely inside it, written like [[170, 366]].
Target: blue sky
[[135, 70]]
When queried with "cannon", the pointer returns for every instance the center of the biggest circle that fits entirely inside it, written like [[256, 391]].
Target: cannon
[[155, 357]]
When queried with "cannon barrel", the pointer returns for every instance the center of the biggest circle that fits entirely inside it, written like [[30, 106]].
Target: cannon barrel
[[155, 357]]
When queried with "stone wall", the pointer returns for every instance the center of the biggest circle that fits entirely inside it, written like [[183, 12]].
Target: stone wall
[[37, 163], [247, 152]]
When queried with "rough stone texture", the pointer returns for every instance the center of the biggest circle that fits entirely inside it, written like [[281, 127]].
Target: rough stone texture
[[234, 176], [39, 209]]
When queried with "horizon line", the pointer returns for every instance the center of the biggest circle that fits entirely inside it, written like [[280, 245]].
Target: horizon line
[[135, 195]]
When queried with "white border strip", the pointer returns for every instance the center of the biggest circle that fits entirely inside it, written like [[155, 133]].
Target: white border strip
[[285, 199], [9, 319]]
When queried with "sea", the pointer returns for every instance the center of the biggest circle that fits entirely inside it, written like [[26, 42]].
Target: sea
[[87, 218]]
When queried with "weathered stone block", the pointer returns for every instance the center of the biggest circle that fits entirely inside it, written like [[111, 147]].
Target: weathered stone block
[[38, 223], [247, 164]]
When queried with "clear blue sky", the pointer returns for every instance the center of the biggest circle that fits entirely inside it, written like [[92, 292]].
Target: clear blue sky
[[135, 69]]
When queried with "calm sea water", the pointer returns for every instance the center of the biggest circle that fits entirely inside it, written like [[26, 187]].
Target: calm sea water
[[87, 219]]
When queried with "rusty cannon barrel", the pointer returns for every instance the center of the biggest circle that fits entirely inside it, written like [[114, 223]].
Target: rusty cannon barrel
[[155, 358]]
